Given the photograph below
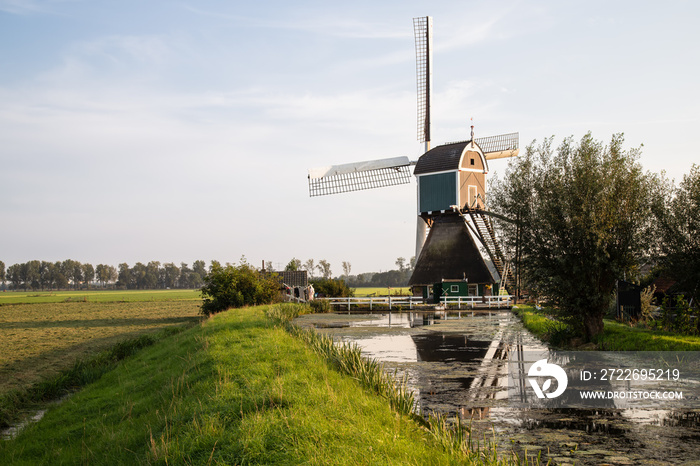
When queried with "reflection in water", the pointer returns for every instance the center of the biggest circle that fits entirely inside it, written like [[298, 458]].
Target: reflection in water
[[457, 364]]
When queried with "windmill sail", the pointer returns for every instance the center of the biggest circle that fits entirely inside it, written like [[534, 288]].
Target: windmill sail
[[423, 31], [499, 147], [357, 176]]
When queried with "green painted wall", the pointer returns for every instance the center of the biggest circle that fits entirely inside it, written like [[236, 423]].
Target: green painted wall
[[445, 289], [455, 289], [437, 192]]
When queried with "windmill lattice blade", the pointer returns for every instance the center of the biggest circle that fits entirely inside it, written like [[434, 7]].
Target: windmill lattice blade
[[422, 29], [359, 176], [500, 143]]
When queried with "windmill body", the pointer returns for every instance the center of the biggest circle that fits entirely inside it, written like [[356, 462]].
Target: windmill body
[[455, 241]]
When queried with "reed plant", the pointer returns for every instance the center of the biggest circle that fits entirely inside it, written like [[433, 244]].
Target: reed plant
[[347, 358]]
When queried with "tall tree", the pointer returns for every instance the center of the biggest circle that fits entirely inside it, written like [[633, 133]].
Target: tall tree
[[200, 268], [71, 270], [101, 273], [293, 265], [14, 275], [347, 267], [124, 276], [583, 216], [310, 266], [678, 220], [325, 268], [153, 276], [45, 274], [77, 274], [88, 274], [183, 280], [111, 274], [170, 275], [401, 263], [32, 278], [58, 277], [2, 273], [138, 276]]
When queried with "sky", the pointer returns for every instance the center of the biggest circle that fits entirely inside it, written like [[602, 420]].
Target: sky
[[176, 131]]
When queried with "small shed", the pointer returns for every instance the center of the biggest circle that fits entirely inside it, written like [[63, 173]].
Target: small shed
[[451, 175], [629, 300]]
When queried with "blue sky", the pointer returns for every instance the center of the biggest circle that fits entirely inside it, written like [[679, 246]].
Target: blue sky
[[178, 130]]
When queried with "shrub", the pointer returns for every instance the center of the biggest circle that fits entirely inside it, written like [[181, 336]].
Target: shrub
[[679, 317], [334, 288], [320, 306], [646, 298], [236, 286]]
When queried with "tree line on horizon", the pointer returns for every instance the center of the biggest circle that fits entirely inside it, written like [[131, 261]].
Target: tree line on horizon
[[391, 278], [71, 274]]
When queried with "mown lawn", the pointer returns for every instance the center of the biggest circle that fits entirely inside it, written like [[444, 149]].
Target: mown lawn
[[97, 296], [40, 340], [235, 390]]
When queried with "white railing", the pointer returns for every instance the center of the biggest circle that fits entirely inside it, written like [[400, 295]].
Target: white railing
[[411, 302]]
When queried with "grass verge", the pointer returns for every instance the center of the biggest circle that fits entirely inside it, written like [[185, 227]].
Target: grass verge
[[622, 337], [616, 336], [236, 390]]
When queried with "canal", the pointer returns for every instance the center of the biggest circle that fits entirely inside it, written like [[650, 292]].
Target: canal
[[457, 364]]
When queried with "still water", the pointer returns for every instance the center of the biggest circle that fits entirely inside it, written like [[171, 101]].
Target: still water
[[457, 364]]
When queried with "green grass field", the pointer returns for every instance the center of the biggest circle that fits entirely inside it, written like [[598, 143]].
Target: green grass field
[[97, 296], [41, 339], [616, 336], [381, 291], [235, 390]]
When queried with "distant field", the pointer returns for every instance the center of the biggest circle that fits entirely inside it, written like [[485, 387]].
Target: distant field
[[40, 339], [379, 291], [98, 296]]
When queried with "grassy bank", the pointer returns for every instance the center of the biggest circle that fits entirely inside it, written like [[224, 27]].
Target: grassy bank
[[234, 390], [616, 336]]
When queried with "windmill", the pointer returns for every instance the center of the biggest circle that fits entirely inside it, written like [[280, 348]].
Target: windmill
[[455, 239]]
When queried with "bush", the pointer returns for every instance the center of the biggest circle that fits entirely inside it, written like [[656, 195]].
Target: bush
[[320, 306], [286, 312], [333, 288], [236, 286], [679, 317]]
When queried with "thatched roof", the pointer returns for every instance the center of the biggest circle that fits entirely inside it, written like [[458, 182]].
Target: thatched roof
[[450, 253]]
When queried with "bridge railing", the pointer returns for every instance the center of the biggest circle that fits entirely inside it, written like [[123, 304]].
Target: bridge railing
[[412, 302]]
